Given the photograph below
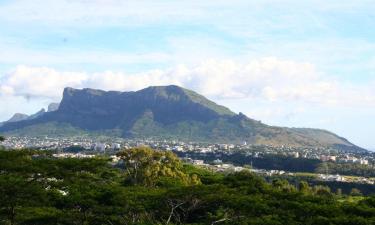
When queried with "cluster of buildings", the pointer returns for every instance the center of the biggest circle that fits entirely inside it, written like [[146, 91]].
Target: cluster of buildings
[[88, 147], [219, 166], [54, 143], [330, 177], [101, 144], [73, 155], [346, 158], [351, 179]]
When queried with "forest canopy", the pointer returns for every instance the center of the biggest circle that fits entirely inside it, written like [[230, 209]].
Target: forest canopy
[[154, 187]]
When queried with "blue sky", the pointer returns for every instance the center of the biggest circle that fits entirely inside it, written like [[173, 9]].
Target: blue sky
[[288, 63]]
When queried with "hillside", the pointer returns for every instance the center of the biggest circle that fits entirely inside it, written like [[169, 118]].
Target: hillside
[[163, 112]]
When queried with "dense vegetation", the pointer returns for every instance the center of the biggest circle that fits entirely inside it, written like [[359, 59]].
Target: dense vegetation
[[334, 186], [153, 187], [353, 169], [287, 163], [269, 162]]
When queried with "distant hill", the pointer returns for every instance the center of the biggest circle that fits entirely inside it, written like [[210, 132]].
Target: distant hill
[[20, 116], [164, 112], [17, 117]]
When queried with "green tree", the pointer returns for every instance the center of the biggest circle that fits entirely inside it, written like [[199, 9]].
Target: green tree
[[355, 192], [20, 184], [283, 185], [339, 192], [352, 169], [15, 193], [304, 187], [145, 166], [322, 191], [2, 138]]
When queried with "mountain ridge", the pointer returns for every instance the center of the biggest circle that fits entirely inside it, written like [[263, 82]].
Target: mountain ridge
[[20, 116], [166, 112]]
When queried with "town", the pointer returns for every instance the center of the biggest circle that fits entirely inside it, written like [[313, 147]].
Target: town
[[110, 145], [216, 157]]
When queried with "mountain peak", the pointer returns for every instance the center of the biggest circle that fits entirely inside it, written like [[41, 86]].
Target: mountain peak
[[165, 87], [53, 107], [169, 91], [18, 117], [177, 93], [69, 91]]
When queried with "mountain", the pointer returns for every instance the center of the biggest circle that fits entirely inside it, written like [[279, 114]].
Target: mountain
[[36, 115], [17, 117], [164, 112], [20, 116], [53, 107]]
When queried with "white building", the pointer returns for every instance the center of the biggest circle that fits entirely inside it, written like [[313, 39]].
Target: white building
[[100, 147], [116, 146]]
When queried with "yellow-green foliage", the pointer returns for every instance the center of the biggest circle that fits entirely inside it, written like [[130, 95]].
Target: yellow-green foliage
[[145, 166]]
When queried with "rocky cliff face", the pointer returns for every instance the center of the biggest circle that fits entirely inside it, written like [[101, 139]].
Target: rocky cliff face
[[53, 107], [165, 112], [96, 109]]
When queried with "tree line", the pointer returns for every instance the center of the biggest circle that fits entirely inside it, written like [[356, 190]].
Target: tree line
[[351, 169], [287, 163]]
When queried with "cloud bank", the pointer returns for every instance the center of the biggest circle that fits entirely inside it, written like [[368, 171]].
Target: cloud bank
[[269, 79]]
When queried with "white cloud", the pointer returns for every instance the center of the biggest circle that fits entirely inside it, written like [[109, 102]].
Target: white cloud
[[39, 82], [269, 79]]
